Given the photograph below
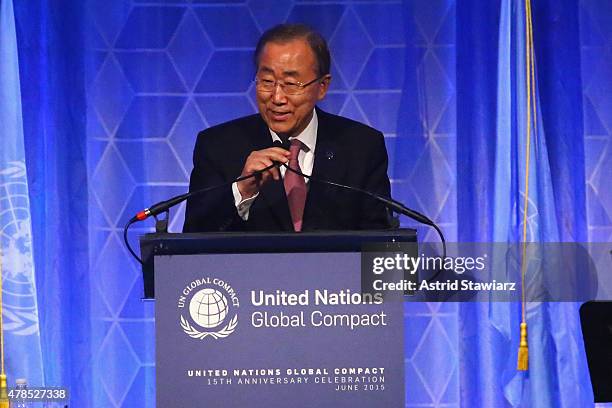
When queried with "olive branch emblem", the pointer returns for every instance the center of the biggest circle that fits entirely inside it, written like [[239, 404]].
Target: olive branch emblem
[[196, 334]]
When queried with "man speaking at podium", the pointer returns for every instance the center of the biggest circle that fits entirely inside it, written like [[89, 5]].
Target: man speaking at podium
[[293, 74]]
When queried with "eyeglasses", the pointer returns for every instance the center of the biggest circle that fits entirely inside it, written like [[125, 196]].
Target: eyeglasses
[[289, 88]]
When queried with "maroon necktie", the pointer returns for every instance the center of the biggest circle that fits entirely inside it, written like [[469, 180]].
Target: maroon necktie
[[295, 187]]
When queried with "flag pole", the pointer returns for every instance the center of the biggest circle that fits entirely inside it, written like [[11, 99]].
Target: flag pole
[[523, 352], [4, 401]]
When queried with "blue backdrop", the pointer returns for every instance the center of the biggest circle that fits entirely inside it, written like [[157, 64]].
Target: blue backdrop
[[113, 93]]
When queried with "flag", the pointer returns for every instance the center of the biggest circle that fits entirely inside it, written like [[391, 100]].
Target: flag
[[22, 345], [525, 211]]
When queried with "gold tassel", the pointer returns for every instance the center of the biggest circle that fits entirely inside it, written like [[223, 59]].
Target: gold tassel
[[523, 352], [4, 401]]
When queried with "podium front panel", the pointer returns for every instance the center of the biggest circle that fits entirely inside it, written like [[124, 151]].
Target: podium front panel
[[274, 330]]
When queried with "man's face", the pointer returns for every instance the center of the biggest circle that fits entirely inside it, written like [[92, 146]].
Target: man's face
[[292, 61]]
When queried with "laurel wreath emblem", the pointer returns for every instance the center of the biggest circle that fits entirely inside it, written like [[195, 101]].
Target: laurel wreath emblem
[[196, 334]]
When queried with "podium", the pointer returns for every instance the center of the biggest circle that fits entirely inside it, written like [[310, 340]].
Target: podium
[[596, 322], [273, 320]]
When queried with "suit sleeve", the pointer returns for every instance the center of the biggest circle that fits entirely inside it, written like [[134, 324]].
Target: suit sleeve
[[214, 210], [375, 215]]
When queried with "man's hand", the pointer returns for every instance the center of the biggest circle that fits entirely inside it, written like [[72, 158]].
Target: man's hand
[[257, 160]]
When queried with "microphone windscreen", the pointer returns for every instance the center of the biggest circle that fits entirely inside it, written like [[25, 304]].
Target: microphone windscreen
[[283, 145]]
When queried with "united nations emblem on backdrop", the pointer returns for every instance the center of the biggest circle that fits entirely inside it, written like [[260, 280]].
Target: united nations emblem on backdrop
[[208, 308], [20, 308]]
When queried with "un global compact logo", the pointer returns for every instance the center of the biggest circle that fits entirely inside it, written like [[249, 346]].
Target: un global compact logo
[[211, 307]]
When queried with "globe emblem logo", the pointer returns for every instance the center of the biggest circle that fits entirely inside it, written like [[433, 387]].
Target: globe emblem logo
[[208, 308], [19, 285]]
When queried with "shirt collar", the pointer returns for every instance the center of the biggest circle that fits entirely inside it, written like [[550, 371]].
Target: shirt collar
[[308, 136]]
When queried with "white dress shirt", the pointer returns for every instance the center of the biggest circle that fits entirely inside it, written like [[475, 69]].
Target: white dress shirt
[[308, 137]]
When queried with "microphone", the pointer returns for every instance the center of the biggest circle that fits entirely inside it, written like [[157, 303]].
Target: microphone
[[387, 201], [165, 205], [282, 144], [390, 203]]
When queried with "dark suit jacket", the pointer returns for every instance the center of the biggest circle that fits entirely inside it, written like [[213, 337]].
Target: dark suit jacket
[[346, 152]]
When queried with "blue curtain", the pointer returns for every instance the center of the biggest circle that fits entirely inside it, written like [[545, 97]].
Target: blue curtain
[[20, 311], [491, 187], [114, 92], [51, 64]]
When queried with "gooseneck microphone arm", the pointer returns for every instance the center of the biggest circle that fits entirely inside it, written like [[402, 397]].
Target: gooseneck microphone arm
[[165, 205], [387, 201], [390, 203]]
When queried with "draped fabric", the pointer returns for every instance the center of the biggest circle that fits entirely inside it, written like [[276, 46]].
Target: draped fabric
[[556, 195], [114, 92], [20, 307], [51, 49]]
